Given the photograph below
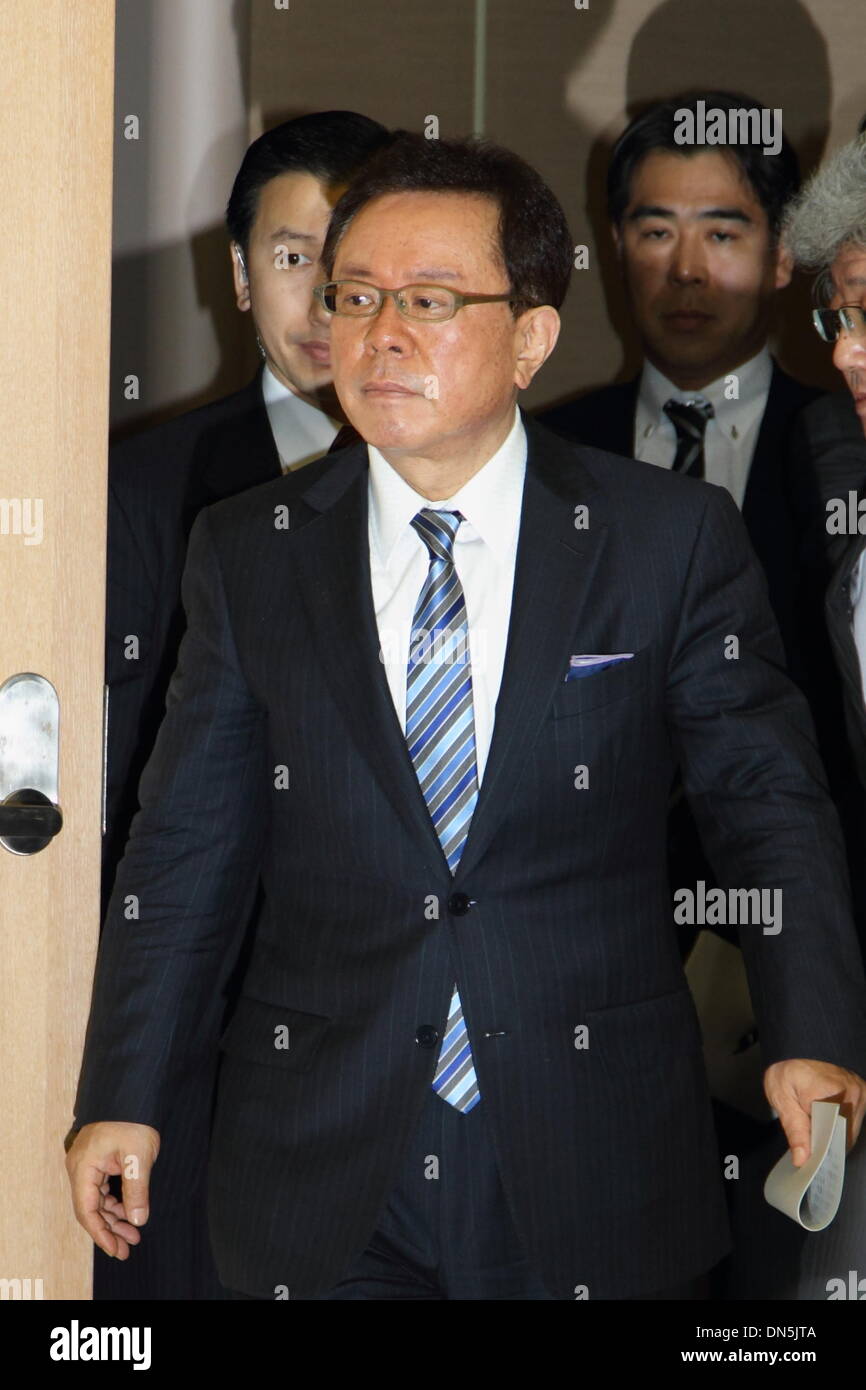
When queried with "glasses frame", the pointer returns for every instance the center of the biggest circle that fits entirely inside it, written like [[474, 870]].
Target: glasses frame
[[460, 300], [848, 327]]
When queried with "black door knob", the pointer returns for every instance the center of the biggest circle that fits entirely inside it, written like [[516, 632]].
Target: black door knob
[[28, 821]]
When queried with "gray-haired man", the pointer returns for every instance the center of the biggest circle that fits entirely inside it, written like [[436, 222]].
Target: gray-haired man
[[826, 231]]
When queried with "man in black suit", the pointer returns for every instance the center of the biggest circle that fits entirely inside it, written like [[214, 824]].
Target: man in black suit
[[826, 230], [697, 232], [846, 620], [696, 228], [159, 480], [432, 694], [828, 462]]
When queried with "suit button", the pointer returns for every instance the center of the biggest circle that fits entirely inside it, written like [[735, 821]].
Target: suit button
[[427, 1035], [459, 904]]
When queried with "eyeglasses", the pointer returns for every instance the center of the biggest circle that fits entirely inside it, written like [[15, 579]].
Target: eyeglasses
[[429, 303], [829, 323]]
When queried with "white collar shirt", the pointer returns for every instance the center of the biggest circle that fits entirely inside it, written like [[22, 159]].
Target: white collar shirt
[[485, 550], [731, 435], [301, 431]]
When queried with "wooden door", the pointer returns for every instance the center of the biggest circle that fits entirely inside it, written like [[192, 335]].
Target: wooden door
[[56, 100]]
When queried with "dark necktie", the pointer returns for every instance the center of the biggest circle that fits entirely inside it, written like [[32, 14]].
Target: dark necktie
[[689, 419], [346, 435]]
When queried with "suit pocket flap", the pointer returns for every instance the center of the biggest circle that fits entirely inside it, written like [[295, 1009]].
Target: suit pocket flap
[[274, 1036], [647, 1033]]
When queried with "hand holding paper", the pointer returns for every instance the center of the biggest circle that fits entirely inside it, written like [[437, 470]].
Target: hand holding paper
[[811, 1194], [791, 1087]]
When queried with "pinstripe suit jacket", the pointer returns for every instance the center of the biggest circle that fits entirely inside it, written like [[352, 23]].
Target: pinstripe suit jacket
[[281, 758], [605, 418], [828, 458], [158, 482]]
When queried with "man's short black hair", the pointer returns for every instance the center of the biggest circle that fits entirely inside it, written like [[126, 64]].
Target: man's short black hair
[[774, 178], [534, 241], [330, 145]]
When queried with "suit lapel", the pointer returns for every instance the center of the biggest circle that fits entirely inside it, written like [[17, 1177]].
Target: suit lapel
[[554, 571], [237, 453], [838, 609], [623, 425], [553, 576], [758, 494], [332, 560], [769, 457], [840, 626]]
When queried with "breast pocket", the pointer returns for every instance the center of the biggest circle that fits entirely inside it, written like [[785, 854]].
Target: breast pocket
[[274, 1036], [617, 682]]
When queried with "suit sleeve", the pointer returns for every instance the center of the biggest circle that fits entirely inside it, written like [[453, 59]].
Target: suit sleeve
[[183, 890], [746, 746], [827, 459], [132, 604]]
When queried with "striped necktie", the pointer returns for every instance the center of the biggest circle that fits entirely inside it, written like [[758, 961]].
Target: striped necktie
[[440, 732], [689, 419]]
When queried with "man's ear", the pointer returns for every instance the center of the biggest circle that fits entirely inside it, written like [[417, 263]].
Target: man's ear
[[536, 331], [784, 266], [239, 274], [616, 233]]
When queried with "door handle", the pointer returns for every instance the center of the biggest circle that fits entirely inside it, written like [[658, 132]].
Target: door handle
[[29, 733]]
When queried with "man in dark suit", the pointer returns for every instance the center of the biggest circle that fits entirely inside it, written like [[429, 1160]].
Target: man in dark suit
[[846, 619], [288, 415], [697, 232], [826, 231], [431, 695], [159, 480], [828, 461], [696, 228]]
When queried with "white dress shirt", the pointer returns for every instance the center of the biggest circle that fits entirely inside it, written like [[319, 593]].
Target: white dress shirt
[[301, 431], [485, 549], [731, 435]]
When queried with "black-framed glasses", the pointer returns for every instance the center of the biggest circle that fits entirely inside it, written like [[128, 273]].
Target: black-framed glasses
[[430, 303], [829, 323]]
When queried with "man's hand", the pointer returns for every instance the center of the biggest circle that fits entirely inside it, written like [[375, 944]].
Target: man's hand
[[99, 1152], [791, 1086]]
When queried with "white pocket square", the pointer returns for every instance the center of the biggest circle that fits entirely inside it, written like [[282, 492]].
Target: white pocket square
[[588, 665]]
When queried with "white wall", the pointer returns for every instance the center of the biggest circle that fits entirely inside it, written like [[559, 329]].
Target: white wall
[[182, 70]]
